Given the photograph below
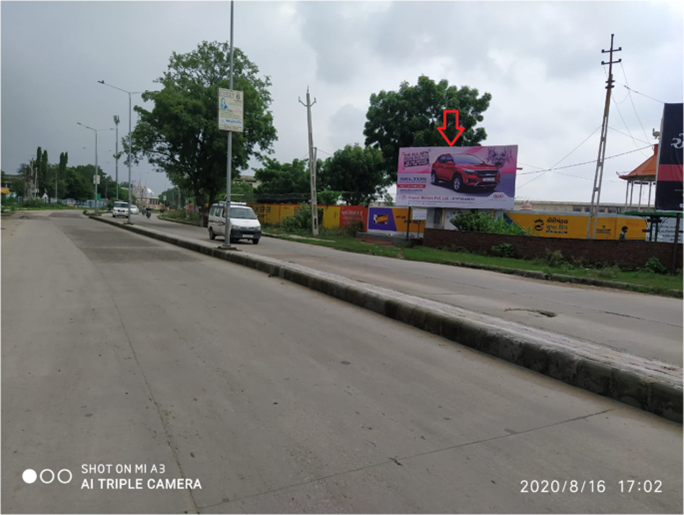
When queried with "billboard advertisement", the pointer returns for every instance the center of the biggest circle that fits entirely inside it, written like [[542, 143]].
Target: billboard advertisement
[[668, 195], [563, 225], [230, 110], [393, 219], [457, 177]]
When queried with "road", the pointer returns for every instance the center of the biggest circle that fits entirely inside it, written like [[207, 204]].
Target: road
[[121, 350], [648, 326]]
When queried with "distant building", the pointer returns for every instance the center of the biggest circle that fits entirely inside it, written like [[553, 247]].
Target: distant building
[[549, 206], [249, 179], [146, 197]]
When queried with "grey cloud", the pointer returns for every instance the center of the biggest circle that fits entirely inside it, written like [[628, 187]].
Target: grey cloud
[[346, 126]]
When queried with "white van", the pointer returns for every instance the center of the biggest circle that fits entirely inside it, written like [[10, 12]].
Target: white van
[[244, 224]]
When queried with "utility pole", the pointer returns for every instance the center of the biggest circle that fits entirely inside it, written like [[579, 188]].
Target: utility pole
[[229, 154], [312, 164], [598, 176], [116, 157]]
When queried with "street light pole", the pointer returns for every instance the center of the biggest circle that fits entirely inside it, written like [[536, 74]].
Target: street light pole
[[130, 115], [116, 159], [96, 176], [229, 164]]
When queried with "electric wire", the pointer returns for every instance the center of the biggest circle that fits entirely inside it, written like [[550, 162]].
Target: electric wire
[[620, 113], [632, 100]]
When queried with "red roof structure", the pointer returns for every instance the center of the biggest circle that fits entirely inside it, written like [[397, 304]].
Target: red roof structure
[[643, 174], [646, 171]]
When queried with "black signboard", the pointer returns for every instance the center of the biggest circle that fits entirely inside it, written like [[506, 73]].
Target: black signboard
[[668, 195]]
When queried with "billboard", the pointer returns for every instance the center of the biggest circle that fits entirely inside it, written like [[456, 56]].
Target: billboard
[[457, 177], [564, 225], [230, 110], [668, 195], [394, 219]]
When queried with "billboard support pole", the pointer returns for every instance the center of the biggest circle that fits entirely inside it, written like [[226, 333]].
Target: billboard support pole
[[676, 244], [598, 175], [408, 224]]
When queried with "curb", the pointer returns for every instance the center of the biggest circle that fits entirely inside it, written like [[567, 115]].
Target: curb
[[543, 276], [645, 384]]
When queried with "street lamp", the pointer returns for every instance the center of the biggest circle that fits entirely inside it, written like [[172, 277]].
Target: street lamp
[[96, 176], [129, 93], [116, 122]]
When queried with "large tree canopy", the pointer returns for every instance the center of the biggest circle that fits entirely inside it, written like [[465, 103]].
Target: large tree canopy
[[180, 135], [358, 173], [283, 182], [410, 117]]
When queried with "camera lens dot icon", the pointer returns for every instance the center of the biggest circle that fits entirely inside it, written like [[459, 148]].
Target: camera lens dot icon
[[29, 476]]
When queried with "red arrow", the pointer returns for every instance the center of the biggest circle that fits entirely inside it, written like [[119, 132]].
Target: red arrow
[[443, 127]]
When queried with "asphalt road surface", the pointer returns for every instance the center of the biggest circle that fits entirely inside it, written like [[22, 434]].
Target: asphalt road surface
[[648, 326], [122, 350]]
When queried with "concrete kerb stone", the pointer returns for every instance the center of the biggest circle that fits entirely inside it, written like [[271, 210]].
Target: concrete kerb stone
[[601, 377]]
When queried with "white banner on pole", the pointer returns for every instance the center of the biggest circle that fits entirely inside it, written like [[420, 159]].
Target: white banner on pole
[[230, 110], [418, 214]]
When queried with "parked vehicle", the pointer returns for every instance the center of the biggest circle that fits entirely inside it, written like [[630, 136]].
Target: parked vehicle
[[464, 170], [244, 223]]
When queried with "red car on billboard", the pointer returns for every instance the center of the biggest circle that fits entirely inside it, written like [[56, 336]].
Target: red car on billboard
[[464, 170]]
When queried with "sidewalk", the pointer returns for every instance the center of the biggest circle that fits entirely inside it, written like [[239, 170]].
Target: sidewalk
[[648, 384]]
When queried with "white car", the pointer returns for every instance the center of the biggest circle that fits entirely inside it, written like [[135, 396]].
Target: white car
[[121, 209], [244, 223]]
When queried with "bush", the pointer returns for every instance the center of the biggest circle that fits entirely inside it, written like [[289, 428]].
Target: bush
[[301, 220], [654, 266], [608, 272], [478, 221], [554, 258], [352, 228], [504, 250]]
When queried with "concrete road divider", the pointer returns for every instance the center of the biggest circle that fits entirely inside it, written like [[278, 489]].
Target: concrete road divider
[[646, 384]]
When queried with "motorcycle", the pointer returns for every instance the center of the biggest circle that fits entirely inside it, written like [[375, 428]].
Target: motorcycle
[[148, 212]]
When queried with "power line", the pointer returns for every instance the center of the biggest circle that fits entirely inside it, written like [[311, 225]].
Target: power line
[[563, 159], [570, 166], [623, 120], [639, 93], [630, 98], [629, 136], [583, 163]]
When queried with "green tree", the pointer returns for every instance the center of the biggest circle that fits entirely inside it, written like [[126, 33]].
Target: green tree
[[410, 117], [328, 197], [180, 136], [359, 173], [241, 191], [283, 182]]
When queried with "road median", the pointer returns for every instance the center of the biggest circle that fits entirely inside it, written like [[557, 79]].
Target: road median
[[646, 384]]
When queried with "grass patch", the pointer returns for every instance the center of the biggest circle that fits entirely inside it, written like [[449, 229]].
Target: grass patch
[[181, 216], [648, 280]]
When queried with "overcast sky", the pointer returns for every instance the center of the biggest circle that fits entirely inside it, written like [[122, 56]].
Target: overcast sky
[[541, 61]]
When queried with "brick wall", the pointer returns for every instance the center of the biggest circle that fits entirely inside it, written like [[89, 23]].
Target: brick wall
[[628, 254]]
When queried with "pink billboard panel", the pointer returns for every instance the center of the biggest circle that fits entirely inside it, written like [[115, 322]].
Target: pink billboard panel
[[457, 177]]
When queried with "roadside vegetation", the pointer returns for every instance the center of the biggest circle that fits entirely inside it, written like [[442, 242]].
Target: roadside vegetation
[[180, 215], [652, 278]]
